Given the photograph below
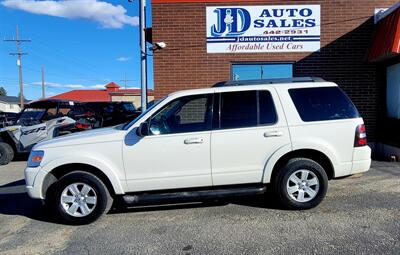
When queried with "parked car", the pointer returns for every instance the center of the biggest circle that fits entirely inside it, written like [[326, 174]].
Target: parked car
[[234, 139], [113, 113], [38, 121], [103, 114], [45, 119]]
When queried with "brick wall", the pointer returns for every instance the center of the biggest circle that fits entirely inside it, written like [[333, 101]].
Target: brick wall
[[346, 31]]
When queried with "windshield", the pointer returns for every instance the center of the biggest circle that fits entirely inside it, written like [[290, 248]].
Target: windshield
[[130, 124], [32, 113]]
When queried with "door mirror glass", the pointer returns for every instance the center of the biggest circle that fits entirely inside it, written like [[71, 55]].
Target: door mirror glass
[[143, 129]]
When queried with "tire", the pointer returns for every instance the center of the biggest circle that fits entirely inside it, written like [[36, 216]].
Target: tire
[[6, 153], [97, 200], [297, 190]]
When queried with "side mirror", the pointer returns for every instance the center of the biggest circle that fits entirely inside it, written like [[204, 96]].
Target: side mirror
[[143, 129]]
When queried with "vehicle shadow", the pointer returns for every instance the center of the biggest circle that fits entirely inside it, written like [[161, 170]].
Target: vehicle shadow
[[15, 201], [259, 201], [21, 157]]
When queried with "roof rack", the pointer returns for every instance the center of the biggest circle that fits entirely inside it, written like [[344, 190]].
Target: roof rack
[[267, 81]]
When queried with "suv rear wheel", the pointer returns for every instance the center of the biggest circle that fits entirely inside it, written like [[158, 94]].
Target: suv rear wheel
[[79, 198], [300, 184]]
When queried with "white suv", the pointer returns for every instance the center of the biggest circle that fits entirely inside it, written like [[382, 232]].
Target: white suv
[[229, 140]]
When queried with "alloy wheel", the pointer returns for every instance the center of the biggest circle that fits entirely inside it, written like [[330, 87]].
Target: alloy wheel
[[302, 186], [78, 199]]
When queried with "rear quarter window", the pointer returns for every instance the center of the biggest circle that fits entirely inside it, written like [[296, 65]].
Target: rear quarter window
[[323, 103]]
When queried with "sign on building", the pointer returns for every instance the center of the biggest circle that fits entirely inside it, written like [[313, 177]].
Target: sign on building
[[265, 28]]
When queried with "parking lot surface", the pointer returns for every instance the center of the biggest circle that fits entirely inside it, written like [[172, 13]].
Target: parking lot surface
[[360, 215]]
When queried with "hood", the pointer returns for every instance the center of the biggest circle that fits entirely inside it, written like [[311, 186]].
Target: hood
[[101, 135]]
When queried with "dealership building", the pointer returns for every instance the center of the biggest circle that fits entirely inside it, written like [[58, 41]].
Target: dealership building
[[353, 43]]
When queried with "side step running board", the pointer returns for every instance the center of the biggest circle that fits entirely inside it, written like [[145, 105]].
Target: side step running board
[[191, 196]]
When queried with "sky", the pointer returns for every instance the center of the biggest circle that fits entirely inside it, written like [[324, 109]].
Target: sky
[[82, 44]]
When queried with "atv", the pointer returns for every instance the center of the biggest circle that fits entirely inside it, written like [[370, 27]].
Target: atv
[[39, 121]]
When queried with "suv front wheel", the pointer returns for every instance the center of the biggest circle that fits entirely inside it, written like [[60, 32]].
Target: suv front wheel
[[79, 198], [300, 184]]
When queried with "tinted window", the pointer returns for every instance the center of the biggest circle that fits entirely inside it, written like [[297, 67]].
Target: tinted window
[[186, 114], [326, 103], [267, 108], [128, 107], [238, 109]]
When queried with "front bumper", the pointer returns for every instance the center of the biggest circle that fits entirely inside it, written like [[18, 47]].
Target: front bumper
[[34, 178]]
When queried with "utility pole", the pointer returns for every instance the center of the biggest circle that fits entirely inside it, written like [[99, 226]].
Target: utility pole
[[43, 84], [18, 42], [143, 54], [125, 80]]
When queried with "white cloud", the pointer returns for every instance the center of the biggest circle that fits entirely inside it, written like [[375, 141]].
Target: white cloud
[[106, 14], [123, 59], [98, 86], [68, 86], [58, 85]]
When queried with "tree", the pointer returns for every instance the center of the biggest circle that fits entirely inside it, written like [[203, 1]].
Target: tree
[[3, 91]]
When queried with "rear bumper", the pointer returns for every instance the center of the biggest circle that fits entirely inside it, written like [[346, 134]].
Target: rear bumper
[[361, 159]]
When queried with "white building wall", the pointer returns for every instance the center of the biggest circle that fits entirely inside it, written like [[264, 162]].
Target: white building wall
[[9, 107]]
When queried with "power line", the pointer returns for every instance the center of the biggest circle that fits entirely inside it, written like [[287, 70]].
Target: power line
[[125, 80], [18, 42]]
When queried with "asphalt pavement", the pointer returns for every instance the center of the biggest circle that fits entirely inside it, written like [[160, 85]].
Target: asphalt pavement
[[360, 215]]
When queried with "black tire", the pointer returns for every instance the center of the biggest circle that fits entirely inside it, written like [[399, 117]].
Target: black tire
[[103, 202], [6, 153], [280, 182]]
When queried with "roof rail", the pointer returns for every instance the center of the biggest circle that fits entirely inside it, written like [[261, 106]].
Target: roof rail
[[267, 81]]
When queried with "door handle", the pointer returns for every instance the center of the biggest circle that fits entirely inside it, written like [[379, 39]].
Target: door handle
[[273, 133], [194, 141]]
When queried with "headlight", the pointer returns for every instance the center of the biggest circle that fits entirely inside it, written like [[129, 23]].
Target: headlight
[[35, 158]]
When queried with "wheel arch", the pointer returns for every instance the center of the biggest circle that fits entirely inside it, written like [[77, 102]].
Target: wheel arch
[[112, 183], [318, 156]]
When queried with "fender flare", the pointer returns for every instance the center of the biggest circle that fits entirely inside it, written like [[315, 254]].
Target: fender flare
[[272, 160], [101, 166], [282, 151]]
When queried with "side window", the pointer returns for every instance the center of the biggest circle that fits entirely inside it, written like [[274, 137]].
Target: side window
[[63, 111], [247, 109], [50, 114], [238, 109], [322, 103], [186, 114]]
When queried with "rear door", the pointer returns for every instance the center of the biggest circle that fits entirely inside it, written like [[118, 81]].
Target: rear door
[[249, 129]]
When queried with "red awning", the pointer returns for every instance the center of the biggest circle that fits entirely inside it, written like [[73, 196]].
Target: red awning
[[386, 42]]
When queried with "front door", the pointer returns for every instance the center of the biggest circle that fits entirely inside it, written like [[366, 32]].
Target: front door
[[176, 153]]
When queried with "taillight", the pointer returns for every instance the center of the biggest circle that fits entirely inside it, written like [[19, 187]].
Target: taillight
[[361, 136], [82, 126]]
